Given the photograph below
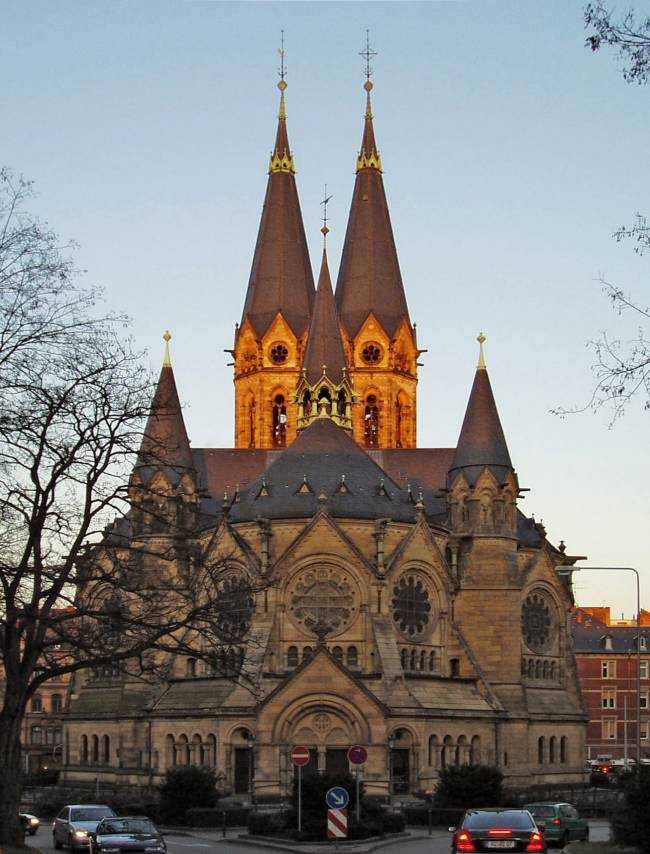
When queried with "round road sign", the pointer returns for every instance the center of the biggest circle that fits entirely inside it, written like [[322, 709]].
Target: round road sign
[[300, 755], [337, 798], [358, 755]]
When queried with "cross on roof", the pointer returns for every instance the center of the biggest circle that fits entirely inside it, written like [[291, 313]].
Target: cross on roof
[[368, 53]]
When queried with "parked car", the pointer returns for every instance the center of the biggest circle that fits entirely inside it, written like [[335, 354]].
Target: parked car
[[76, 824], [563, 823], [497, 829], [127, 833], [29, 822]]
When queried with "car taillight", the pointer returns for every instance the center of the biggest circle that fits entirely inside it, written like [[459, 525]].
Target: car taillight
[[536, 842], [464, 842], [500, 831], [556, 821]]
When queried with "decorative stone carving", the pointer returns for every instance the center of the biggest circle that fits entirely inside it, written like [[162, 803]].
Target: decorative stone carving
[[234, 607], [411, 602], [538, 623], [323, 598]]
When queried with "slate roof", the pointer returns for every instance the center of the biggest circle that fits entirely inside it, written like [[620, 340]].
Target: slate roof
[[324, 345], [369, 277], [195, 695], [281, 278], [590, 637]]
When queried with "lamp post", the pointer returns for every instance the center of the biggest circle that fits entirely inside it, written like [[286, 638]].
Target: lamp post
[[250, 741], [391, 747], [571, 569]]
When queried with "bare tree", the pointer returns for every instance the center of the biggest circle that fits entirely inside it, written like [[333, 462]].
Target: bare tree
[[627, 35], [80, 590]]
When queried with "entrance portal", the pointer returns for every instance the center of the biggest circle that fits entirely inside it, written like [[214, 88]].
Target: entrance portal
[[401, 770], [336, 760], [243, 769]]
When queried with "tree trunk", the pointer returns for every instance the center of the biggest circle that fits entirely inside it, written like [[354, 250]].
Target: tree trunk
[[11, 832]]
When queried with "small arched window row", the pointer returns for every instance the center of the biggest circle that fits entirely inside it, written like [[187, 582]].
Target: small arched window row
[[444, 751], [552, 750], [349, 656], [106, 671], [95, 750], [191, 750], [544, 669], [417, 660]]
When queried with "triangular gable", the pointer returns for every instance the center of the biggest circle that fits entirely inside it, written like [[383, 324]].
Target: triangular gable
[[421, 534], [227, 540]]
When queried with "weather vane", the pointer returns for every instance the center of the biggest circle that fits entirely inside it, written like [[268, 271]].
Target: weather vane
[[281, 70], [325, 229], [368, 53]]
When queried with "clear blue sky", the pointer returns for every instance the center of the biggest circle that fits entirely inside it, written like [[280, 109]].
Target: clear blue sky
[[511, 153]]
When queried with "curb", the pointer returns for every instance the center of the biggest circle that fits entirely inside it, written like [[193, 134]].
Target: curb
[[362, 845]]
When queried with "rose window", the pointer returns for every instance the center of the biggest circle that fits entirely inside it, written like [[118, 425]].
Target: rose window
[[537, 621], [234, 607], [323, 599], [279, 354], [371, 353], [411, 605]]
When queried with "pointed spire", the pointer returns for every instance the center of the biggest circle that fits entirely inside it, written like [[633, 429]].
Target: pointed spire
[[165, 444], [482, 442], [281, 278], [369, 277], [325, 352]]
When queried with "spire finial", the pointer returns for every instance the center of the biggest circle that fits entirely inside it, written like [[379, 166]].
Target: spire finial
[[325, 229], [368, 53], [282, 73], [481, 355], [167, 360]]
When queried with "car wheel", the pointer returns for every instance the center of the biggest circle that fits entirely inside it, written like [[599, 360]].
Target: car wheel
[[56, 842]]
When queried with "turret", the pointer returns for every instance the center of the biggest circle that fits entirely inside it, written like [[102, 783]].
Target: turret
[[379, 337], [482, 482], [163, 485], [270, 341]]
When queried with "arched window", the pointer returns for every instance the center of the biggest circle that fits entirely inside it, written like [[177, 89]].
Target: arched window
[[292, 657], [324, 400], [563, 750], [531, 668], [371, 422], [191, 667], [307, 653], [170, 751], [212, 751], [352, 657], [95, 748], [551, 750], [454, 667], [475, 750], [306, 404], [404, 658], [432, 661], [538, 669], [553, 671], [540, 750], [83, 753], [250, 417], [545, 670], [279, 422], [57, 705], [423, 660], [341, 403], [36, 735], [433, 751], [196, 750], [37, 704], [106, 749], [447, 751], [413, 660], [183, 747], [337, 654]]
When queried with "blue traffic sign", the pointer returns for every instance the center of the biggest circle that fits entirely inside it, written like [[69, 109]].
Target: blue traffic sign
[[337, 798]]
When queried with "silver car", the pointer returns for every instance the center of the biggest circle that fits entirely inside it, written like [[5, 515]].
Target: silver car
[[76, 824]]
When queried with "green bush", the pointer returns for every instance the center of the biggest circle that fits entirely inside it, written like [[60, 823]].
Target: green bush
[[186, 787], [631, 825], [469, 786], [213, 816], [277, 823], [440, 816]]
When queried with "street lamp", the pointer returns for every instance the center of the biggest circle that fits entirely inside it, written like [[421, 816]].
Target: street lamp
[[250, 741], [564, 570]]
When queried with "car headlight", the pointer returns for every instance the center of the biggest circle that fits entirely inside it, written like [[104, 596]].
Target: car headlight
[[106, 850], [33, 821], [81, 834]]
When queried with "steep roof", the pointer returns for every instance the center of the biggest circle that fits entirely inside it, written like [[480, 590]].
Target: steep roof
[[481, 442], [324, 345], [369, 277], [165, 446], [281, 278]]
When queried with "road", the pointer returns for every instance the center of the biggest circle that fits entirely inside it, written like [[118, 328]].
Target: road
[[201, 841]]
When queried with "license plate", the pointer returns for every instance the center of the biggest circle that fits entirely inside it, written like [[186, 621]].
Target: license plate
[[500, 843]]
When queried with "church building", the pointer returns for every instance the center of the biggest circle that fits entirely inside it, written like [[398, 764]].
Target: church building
[[377, 593]]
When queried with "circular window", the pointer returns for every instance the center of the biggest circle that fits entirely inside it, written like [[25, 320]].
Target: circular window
[[537, 623], [279, 354], [371, 353], [325, 597], [234, 607], [412, 611]]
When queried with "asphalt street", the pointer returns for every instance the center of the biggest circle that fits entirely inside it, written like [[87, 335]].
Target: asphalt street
[[199, 841]]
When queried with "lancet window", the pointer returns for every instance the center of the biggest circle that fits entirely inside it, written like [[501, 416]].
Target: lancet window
[[279, 422], [371, 422]]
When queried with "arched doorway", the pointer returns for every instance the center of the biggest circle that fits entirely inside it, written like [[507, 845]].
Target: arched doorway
[[243, 761], [400, 745]]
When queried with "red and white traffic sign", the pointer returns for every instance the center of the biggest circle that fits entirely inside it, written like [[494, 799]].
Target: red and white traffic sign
[[337, 824], [300, 755], [358, 755]]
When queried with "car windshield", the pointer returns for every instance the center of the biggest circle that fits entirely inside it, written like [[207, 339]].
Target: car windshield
[[90, 814], [126, 825], [541, 811], [484, 819]]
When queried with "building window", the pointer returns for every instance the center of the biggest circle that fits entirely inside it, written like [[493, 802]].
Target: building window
[[279, 354], [608, 669], [608, 699], [307, 653], [644, 669], [57, 705], [84, 748], [432, 662], [540, 750], [454, 667], [371, 353], [371, 422], [563, 749], [353, 657], [404, 659], [609, 728], [551, 750], [337, 654], [106, 749], [191, 667], [36, 735], [292, 657], [37, 704], [642, 642], [643, 700], [644, 731], [279, 426]]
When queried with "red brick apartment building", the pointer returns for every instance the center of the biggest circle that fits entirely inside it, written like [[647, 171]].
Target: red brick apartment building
[[606, 656]]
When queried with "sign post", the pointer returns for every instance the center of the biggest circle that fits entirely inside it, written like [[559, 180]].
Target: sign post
[[358, 756], [337, 800], [300, 756]]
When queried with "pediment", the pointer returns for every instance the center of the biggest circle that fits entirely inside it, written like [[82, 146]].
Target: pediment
[[420, 546], [226, 544]]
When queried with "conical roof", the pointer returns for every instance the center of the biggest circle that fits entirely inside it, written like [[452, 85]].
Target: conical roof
[[281, 278], [481, 442], [165, 445], [324, 345], [369, 277]]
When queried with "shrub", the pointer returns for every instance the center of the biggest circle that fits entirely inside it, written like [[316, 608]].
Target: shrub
[[631, 825], [469, 786], [187, 787], [440, 816], [276, 823]]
